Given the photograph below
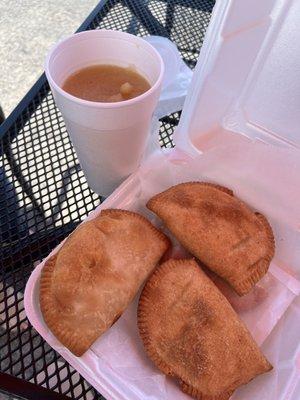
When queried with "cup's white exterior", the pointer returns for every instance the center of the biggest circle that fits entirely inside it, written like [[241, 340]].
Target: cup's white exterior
[[109, 138]]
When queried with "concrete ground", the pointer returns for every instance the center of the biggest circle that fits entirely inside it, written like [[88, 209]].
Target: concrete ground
[[28, 28]]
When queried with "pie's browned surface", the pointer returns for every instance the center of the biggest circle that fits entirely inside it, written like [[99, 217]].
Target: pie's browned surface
[[87, 285], [192, 333], [219, 229]]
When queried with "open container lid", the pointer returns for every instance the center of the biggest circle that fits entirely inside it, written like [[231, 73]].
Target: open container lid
[[247, 77]]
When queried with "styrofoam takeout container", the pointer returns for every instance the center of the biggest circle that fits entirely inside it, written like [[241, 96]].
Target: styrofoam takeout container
[[239, 127]]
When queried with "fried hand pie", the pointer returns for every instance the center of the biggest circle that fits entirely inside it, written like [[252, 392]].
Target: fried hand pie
[[192, 333], [219, 229], [87, 285]]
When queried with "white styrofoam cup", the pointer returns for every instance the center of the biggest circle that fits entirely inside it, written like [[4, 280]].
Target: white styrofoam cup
[[109, 138]]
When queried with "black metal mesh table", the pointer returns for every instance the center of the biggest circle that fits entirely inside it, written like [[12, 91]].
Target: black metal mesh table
[[44, 194]]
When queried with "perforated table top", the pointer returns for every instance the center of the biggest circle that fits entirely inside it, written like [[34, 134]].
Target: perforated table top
[[44, 194]]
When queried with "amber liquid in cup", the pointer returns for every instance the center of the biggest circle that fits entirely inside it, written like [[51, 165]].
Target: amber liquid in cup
[[106, 83]]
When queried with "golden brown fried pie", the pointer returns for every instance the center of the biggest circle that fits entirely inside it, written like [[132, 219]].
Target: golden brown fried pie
[[192, 333], [88, 284], [219, 229]]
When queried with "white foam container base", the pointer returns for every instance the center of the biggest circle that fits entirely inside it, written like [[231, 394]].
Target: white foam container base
[[240, 128], [116, 364]]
